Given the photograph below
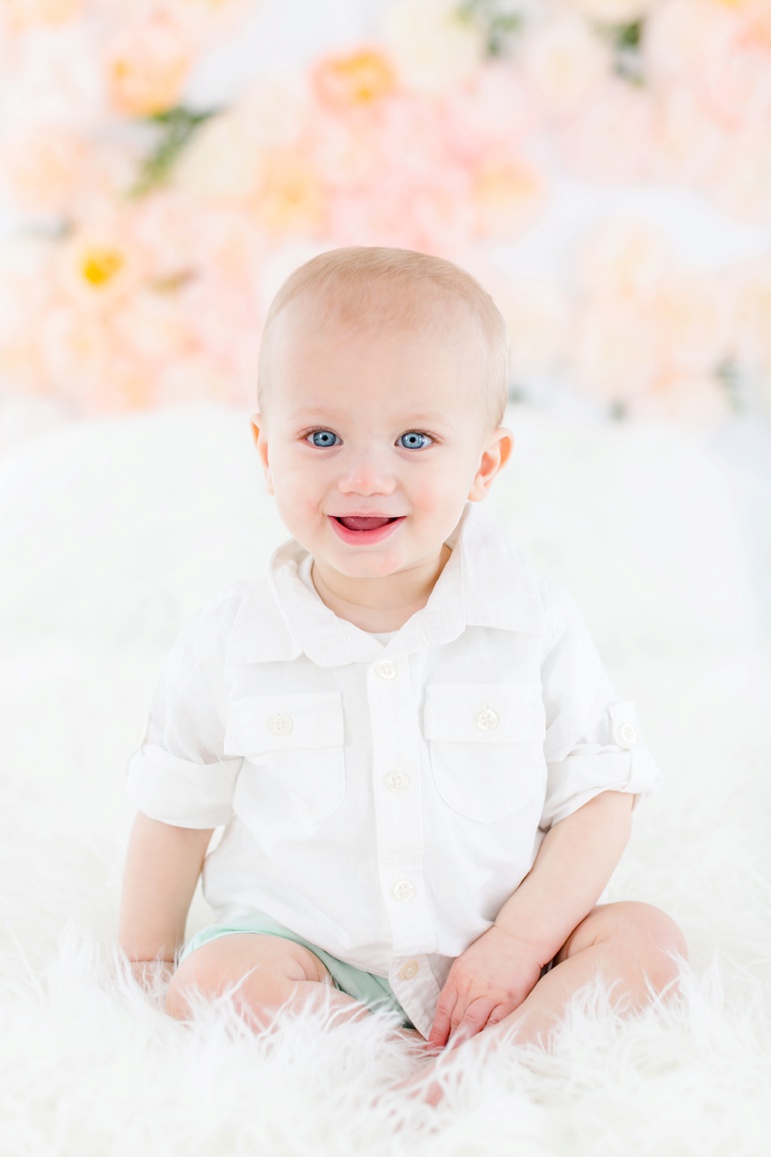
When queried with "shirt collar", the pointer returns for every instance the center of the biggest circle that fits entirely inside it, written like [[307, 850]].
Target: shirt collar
[[488, 581]]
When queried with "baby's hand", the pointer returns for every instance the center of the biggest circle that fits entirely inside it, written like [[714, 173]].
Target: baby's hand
[[486, 983]]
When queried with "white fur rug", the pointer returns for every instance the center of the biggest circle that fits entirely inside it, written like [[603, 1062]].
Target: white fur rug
[[112, 533]]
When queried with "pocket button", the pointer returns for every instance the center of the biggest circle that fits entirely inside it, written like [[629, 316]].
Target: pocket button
[[281, 724], [487, 720]]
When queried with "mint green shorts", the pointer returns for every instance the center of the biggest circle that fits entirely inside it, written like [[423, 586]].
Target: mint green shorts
[[372, 990]]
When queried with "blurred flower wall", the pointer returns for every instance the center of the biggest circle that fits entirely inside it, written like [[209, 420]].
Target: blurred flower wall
[[152, 231]]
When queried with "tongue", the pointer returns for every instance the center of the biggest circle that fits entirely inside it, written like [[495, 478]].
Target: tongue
[[354, 523]]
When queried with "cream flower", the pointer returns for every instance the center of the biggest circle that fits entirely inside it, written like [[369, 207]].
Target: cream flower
[[563, 61], [219, 161], [353, 79], [613, 11], [537, 316], [433, 44], [613, 349], [623, 256]]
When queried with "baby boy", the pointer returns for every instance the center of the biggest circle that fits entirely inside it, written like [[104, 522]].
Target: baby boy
[[424, 776]]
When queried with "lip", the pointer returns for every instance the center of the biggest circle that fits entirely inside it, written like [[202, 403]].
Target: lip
[[365, 537]]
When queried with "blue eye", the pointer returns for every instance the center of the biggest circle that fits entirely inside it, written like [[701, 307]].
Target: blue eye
[[322, 438], [414, 440]]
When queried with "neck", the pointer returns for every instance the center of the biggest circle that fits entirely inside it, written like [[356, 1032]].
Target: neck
[[377, 604]]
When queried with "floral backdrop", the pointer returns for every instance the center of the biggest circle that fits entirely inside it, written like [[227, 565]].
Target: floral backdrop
[[152, 231]]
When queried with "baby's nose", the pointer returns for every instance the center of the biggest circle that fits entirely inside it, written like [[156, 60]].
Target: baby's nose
[[366, 473]]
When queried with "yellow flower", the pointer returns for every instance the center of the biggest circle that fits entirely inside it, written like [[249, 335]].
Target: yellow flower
[[354, 79], [290, 198]]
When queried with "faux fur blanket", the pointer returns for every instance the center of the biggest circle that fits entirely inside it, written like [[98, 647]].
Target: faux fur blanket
[[112, 534]]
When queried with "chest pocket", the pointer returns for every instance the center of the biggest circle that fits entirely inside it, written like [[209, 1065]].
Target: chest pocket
[[486, 746], [298, 741]]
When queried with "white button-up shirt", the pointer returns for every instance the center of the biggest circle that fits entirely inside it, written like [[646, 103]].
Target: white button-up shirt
[[385, 800]]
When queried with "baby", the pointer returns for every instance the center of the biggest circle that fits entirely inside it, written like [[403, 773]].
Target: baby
[[424, 776]]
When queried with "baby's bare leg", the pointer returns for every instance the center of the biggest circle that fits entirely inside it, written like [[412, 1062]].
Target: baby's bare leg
[[263, 972], [633, 948]]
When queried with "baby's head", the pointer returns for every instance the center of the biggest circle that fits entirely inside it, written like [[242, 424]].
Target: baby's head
[[377, 290], [382, 385]]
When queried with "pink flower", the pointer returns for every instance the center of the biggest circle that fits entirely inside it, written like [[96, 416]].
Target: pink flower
[[610, 137]]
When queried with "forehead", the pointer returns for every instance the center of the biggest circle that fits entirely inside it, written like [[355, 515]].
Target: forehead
[[326, 361]]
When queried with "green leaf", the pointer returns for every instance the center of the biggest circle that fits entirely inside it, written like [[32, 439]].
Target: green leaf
[[176, 127]]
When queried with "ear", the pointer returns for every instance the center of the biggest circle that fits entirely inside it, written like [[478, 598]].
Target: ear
[[261, 442], [495, 455]]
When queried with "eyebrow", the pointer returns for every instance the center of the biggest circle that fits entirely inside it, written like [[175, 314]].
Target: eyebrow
[[321, 413]]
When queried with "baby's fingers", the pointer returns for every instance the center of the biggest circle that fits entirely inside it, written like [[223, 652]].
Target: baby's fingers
[[472, 1021], [442, 1026]]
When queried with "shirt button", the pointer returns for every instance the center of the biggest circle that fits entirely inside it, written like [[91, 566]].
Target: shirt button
[[281, 724], [487, 719], [409, 969], [396, 780], [403, 890], [385, 669], [627, 735]]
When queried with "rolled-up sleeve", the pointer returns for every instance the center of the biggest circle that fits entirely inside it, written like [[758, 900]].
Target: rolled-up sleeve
[[593, 739], [179, 773]]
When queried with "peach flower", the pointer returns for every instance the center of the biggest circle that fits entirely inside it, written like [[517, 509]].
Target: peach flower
[[688, 143], [741, 184], [147, 64], [25, 263], [691, 320], [42, 167], [750, 284], [290, 197], [506, 196], [563, 61], [75, 352], [412, 212], [196, 378], [432, 43], [353, 79], [23, 13]]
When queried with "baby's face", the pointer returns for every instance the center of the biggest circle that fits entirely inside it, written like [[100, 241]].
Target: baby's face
[[372, 443]]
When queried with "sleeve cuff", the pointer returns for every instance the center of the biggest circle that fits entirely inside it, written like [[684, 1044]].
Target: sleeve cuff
[[179, 792], [626, 767]]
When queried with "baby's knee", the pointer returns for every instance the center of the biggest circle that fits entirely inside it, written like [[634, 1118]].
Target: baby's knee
[[653, 940], [258, 987]]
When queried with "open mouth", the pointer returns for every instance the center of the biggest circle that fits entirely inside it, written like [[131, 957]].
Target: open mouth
[[364, 522], [364, 528]]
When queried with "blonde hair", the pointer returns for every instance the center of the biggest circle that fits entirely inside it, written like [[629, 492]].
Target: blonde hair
[[367, 287]]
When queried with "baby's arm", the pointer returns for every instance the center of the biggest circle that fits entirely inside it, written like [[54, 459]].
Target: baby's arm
[[162, 867], [497, 972]]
